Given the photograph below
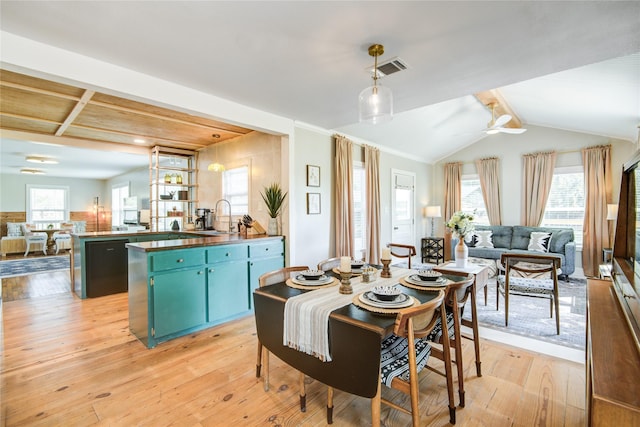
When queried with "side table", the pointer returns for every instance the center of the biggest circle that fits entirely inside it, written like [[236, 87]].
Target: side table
[[432, 249]]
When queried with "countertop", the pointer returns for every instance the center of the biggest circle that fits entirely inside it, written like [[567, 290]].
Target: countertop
[[199, 239]]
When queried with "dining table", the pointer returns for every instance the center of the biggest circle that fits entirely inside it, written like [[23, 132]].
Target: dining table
[[355, 335]]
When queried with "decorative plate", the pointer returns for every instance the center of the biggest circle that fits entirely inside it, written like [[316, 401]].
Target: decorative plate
[[401, 301], [322, 280], [414, 279]]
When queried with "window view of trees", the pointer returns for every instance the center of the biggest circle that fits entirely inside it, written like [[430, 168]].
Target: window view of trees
[[472, 201], [565, 206]]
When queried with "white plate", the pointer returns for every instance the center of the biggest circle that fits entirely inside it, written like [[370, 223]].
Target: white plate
[[402, 301], [414, 279], [323, 280]]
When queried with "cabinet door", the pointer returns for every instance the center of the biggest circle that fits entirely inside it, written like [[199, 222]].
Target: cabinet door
[[260, 266], [228, 292], [179, 301]]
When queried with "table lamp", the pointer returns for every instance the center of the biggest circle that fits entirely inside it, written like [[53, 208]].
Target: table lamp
[[432, 212]]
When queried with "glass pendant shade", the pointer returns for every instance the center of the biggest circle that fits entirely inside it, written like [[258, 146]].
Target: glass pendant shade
[[376, 104], [216, 167]]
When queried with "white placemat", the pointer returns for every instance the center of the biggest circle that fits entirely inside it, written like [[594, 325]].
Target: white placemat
[[306, 316]]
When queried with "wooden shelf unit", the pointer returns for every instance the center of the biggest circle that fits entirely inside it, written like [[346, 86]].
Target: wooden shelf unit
[[172, 170]]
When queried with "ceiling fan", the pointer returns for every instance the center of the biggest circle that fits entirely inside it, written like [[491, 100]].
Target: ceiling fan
[[497, 125]]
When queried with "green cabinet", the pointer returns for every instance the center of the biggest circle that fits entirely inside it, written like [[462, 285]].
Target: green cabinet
[[179, 301], [227, 289], [264, 257], [177, 290]]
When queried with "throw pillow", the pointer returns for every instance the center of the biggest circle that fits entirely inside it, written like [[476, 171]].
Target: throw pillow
[[14, 229], [471, 240], [483, 239], [539, 241]]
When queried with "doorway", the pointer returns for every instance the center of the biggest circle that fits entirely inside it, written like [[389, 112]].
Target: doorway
[[403, 207]]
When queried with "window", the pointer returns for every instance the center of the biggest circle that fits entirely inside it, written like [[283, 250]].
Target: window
[[472, 201], [118, 194], [359, 208], [235, 188], [565, 207], [47, 204]]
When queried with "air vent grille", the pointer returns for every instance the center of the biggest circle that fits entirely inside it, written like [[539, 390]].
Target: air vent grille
[[391, 66]]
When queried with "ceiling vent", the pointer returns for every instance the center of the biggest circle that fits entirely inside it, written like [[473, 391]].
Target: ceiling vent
[[391, 66]]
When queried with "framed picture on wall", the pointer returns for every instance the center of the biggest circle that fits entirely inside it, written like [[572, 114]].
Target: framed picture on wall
[[313, 176], [313, 203]]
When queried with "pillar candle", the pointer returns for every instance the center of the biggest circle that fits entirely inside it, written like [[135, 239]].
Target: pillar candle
[[386, 253], [345, 264]]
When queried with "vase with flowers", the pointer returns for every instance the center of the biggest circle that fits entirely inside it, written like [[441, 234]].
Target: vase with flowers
[[461, 224]]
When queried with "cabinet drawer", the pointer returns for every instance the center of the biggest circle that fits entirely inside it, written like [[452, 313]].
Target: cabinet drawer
[[176, 259], [226, 253], [266, 249]]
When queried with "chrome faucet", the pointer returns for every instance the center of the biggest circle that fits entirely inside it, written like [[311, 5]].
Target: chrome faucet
[[215, 218]]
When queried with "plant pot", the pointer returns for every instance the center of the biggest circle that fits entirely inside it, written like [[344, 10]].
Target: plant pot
[[272, 228]]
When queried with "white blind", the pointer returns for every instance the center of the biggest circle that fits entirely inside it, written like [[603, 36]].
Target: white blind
[[565, 207]]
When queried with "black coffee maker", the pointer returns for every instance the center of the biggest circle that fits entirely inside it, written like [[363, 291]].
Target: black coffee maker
[[204, 220]]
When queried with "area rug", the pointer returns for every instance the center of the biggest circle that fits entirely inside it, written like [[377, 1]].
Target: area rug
[[22, 267], [530, 316]]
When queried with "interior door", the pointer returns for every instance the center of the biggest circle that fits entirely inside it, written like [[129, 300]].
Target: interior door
[[402, 207]]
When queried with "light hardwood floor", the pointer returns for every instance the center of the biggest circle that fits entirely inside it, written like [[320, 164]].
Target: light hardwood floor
[[69, 362]]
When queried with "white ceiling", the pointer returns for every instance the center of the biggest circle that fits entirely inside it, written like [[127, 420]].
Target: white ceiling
[[567, 65]]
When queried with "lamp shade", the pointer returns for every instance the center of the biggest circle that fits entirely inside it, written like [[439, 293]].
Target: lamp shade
[[432, 212], [612, 212], [375, 104]]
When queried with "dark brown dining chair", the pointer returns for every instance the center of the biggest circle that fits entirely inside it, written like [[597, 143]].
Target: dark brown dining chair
[[329, 264], [271, 278], [400, 250], [529, 275], [456, 296], [403, 355]]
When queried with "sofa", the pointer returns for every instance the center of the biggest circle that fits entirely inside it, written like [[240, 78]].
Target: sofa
[[518, 239], [14, 241]]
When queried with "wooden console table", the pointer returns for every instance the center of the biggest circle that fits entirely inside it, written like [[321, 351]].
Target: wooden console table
[[613, 361], [432, 249]]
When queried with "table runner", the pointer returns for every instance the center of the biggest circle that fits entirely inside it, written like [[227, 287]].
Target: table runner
[[306, 316]]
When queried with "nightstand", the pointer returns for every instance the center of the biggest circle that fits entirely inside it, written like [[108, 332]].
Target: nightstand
[[432, 249]]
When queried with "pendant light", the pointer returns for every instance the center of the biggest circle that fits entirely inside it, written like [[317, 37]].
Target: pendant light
[[376, 102], [215, 166]]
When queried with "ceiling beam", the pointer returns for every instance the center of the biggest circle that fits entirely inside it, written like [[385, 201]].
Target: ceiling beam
[[494, 97], [84, 99]]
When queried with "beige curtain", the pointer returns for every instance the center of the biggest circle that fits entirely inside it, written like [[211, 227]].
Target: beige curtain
[[452, 198], [452, 189], [536, 183], [372, 171], [344, 198], [597, 185], [488, 171]]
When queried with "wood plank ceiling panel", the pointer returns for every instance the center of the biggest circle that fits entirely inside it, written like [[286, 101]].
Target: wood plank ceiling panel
[[39, 106]]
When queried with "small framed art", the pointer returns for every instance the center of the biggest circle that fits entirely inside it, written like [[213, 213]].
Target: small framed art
[[313, 176], [313, 203]]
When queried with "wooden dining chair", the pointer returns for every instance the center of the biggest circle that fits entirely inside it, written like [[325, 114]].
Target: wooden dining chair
[[540, 280], [270, 278], [399, 250], [456, 296], [329, 264], [403, 355]]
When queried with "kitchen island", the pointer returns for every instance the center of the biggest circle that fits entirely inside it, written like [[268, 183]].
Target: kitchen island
[[182, 285]]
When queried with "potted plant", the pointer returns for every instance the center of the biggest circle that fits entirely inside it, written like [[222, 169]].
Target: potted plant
[[274, 198]]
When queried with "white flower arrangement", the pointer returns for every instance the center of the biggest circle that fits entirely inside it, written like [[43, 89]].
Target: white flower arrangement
[[461, 224]]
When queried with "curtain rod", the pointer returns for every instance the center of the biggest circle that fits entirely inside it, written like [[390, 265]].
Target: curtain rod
[[557, 152]]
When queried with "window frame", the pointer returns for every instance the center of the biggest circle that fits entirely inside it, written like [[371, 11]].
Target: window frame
[[474, 210], [560, 170], [30, 209], [358, 167], [230, 196]]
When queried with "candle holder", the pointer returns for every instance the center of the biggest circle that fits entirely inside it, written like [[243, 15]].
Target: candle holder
[[345, 282], [385, 268]]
